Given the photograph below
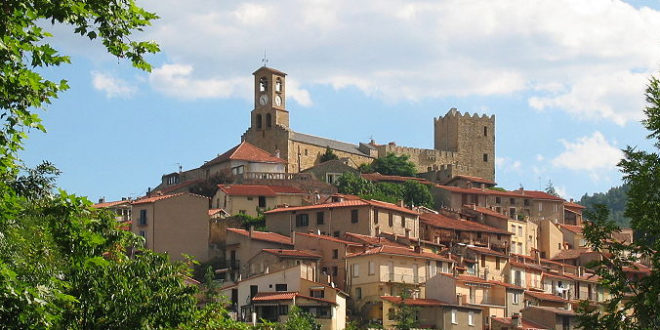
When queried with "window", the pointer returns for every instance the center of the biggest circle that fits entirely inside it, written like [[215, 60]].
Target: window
[[391, 220], [372, 268], [253, 290], [302, 220], [262, 201], [336, 233], [280, 287], [258, 121], [335, 270], [324, 270], [269, 121], [512, 213], [358, 293], [143, 217], [540, 206], [513, 228], [375, 216], [391, 314], [498, 200], [263, 84], [520, 231], [454, 319], [335, 254], [485, 157], [354, 216], [250, 198], [470, 318], [445, 267], [317, 293], [319, 218], [278, 85], [485, 130], [283, 309], [559, 246], [242, 212], [516, 298], [483, 260], [497, 263], [520, 248], [305, 152], [403, 222], [526, 202], [512, 201], [356, 270]]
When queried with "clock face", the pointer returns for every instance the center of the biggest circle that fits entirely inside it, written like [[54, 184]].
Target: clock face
[[278, 100], [263, 99]]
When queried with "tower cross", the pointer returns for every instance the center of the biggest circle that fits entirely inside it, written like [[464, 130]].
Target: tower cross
[[265, 59]]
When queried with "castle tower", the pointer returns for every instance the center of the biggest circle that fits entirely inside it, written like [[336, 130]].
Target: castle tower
[[471, 137], [269, 99]]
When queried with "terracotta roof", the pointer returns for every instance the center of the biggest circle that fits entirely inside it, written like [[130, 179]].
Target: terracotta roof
[[263, 236], [586, 277], [270, 296], [572, 228], [486, 211], [532, 194], [293, 253], [574, 205], [316, 299], [472, 178], [396, 178], [556, 275], [415, 302], [328, 238], [110, 204], [146, 200], [554, 310], [526, 265], [346, 203], [170, 189], [213, 212], [441, 221], [570, 253], [488, 251], [470, 278], [366, 239], [545, 296], [507, 285], [636, 267], [526, 325], [265, 68], [257, 190], [323, 142], [399, 251], [248, 152]]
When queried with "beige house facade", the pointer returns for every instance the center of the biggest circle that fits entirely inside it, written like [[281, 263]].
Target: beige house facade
[[242, 245], [434, 314], [174, 224], [252, 199]]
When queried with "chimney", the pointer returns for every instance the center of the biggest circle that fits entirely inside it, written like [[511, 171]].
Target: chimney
[[293, 238], [277, 153], [102, 200], [148, 191], [401, 203], [516, 321], [250, 232]]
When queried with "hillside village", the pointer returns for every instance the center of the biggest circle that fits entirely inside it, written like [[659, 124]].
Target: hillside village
[[482, 258]]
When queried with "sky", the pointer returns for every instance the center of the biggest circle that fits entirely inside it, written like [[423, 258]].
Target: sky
[[564, 79]]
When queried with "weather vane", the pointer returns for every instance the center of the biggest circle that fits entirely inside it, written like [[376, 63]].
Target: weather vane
[[265, 59]]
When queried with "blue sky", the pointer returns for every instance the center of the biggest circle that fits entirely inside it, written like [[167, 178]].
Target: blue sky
[[565, 80]]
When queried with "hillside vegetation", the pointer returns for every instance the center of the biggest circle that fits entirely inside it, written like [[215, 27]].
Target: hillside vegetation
[[614, 199]]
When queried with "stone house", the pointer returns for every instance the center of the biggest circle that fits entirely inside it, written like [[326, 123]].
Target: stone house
[[361, 216], [270, 296], [330, 171], [434, 314], [175, 224], [441, 229], [121, 209], [251, 199], [524, 233], [551, 317], [272, 260], [243, 244]]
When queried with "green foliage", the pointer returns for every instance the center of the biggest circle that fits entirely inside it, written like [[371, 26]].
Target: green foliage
[[614, 199], [247, 221], [550, 189], [391, 165], [497, 188], [411, 192], [637, 297], [328, 155], [405, 315], [298, 320]]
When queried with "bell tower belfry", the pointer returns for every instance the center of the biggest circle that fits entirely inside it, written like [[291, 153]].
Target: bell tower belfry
[[269, 99]]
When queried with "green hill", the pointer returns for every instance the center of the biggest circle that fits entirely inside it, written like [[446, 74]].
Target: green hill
[[615, 200]]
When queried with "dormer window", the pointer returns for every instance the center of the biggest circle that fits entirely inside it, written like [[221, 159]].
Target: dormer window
[[263, 84]]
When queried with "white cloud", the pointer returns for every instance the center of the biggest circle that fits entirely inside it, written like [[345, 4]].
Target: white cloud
[[176, 80], [112, 86], [572, 56], [593, 154], [539, 158], [507, 164]]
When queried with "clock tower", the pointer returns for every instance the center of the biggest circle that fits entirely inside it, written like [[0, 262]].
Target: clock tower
[[269, 100]]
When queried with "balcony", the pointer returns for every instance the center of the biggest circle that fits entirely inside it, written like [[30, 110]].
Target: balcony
[[234, 264], [404, 278]]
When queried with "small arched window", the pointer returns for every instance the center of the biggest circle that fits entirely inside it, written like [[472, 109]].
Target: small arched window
[[278, 85], [268, 120], [263, 84], [258, 121]]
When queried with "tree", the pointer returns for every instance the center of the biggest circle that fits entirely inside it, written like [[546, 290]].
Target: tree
[[550, 189], [392, 165], [63, 264], [404, 314], [299, 320], [328, 155], [634, 302], [350, 183], [416, 194]]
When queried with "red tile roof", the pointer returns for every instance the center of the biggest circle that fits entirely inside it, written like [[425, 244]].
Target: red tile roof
[[110, 204], [366, 239], [346, 203], [213, 212], [441, 221], [570, 253], [147, 200], [293, 253], [328, 238], [532, 194], [572, 228], [248, 152], [472, 178], [486, 211], [270, 296], [526, 325], [263, 236], [415, 302], [556, 275], [526, 265], [488, 251], [175, 187], [545, 296], [574, 205], [257, 190], [399, 251], [396, 178]]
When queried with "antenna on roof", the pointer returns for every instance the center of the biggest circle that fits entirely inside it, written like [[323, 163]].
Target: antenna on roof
[[265, 59]]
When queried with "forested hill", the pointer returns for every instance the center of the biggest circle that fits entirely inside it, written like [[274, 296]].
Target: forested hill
[[614, 199]]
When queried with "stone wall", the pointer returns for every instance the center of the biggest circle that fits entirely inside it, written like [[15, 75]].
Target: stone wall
[[308, 155]]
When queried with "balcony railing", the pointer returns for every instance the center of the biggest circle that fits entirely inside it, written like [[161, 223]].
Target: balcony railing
[[404, 278], [276, 176]]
